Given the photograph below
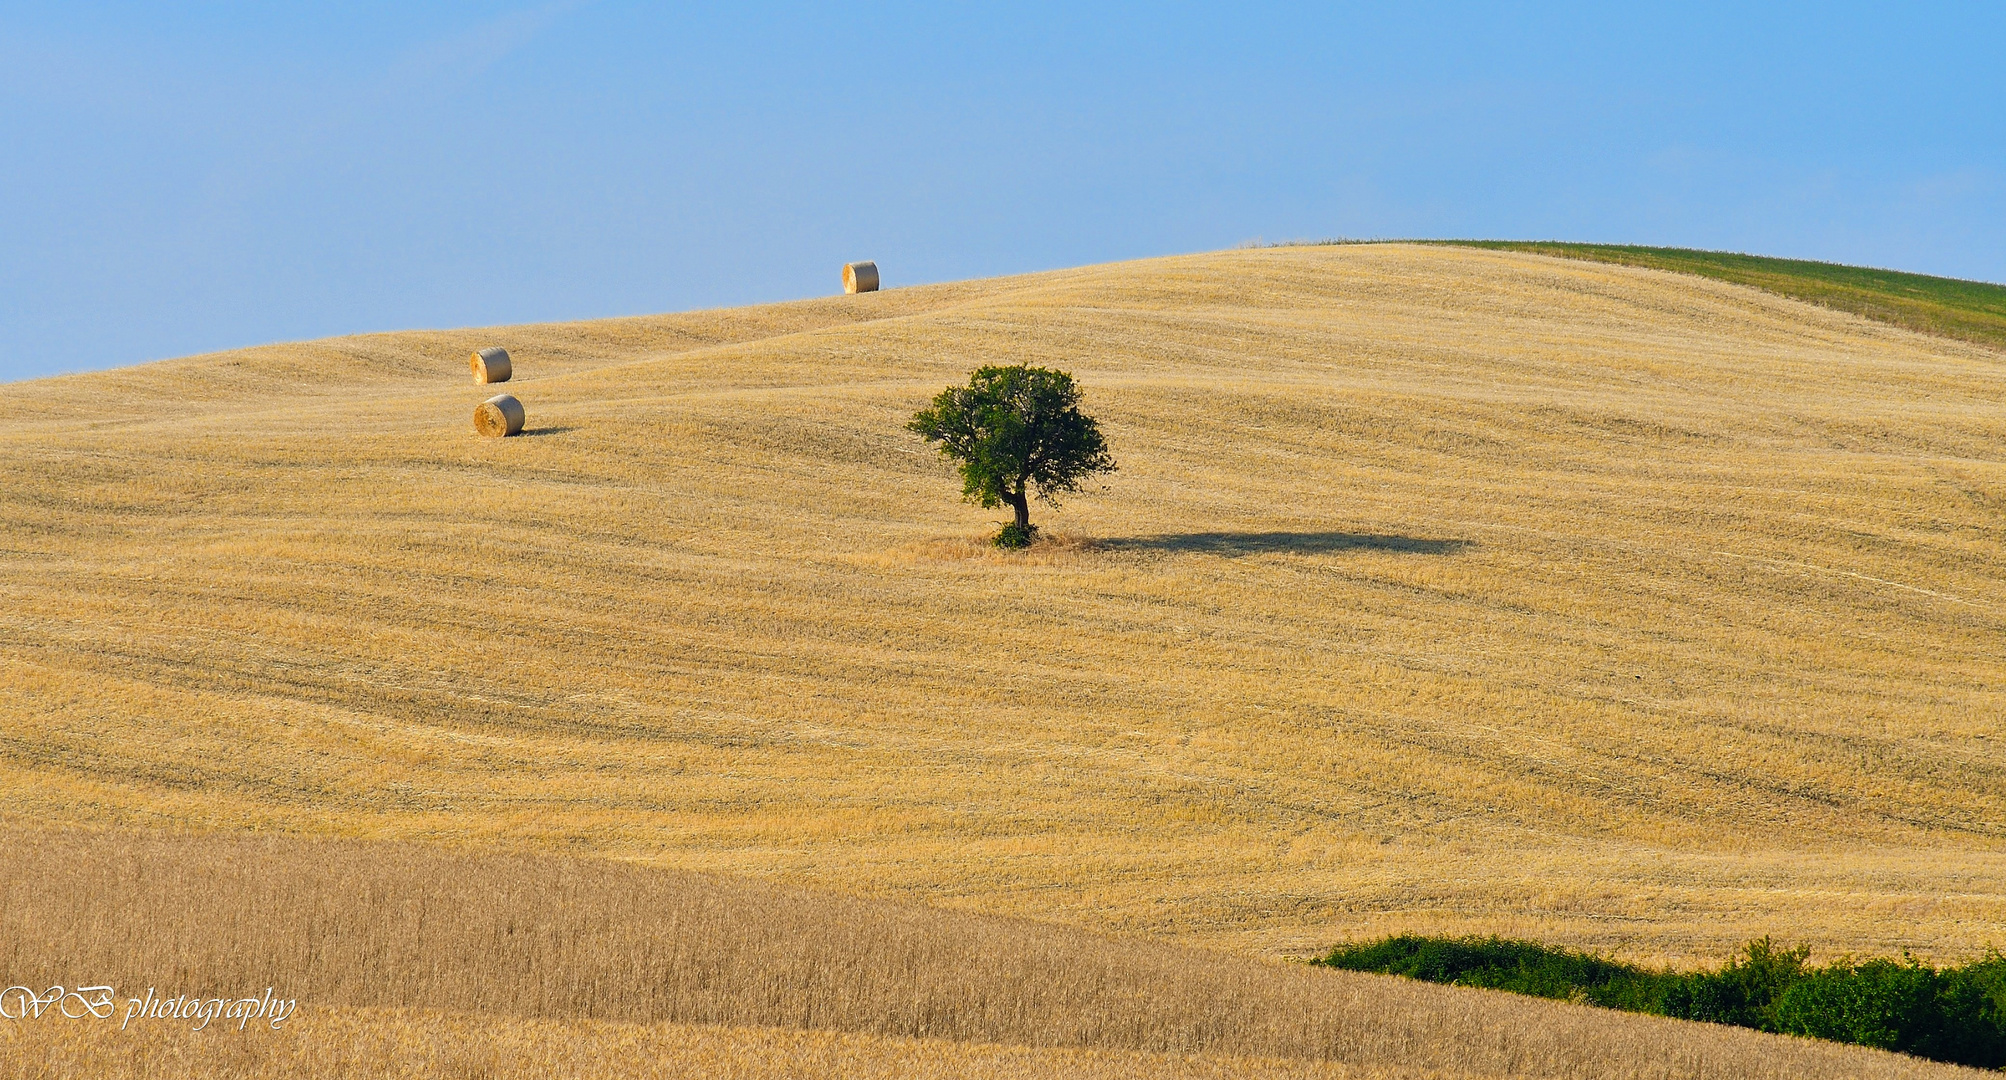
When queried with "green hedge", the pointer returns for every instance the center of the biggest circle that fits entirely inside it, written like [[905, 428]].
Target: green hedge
[[1955, 1014]]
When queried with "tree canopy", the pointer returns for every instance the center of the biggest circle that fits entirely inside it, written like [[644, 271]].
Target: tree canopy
[[1012, 429]]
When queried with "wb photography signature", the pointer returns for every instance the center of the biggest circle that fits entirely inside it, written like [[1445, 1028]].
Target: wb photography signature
[[101, 1003]]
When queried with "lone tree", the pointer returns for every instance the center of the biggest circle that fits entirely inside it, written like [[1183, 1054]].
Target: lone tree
[[1010, 428]]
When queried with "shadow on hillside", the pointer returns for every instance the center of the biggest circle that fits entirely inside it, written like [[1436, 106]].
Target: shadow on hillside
[[1302, 543]]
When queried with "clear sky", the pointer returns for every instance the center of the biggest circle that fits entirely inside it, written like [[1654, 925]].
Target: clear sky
[[179, 178]]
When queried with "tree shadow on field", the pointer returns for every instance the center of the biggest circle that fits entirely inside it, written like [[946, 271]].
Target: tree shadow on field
[[1234, 544]]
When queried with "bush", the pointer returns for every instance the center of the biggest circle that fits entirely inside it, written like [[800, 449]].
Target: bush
[[1743, 993], [1955, 1014], [1523, 967], [1016, 536], [1905, 1006]]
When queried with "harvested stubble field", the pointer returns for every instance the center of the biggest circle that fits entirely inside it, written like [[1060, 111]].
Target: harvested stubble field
[[1440, 589], [1967, 310]]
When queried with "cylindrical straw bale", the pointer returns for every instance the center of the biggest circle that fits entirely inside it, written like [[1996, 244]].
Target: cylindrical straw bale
[[860, 277], [491, 365], [498, 416]]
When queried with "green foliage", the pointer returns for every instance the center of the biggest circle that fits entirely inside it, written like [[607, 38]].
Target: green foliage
[[1968, 310], [1013, 428], [1016, 536], [1949, 1015], [1743, 992], [1523, 967], [1955, 1014]]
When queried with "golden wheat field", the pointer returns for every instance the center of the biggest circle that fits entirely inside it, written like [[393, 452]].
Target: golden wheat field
[[429, 963], [1438, 589], [338, 1044]]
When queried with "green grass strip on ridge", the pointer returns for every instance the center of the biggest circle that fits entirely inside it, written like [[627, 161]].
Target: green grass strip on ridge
[[1973, 311]]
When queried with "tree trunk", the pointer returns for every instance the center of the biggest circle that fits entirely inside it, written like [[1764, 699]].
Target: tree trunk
[[1020, 501]]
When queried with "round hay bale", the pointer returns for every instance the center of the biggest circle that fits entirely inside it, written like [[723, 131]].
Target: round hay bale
[[498, 417], [491, 365], [860, 277]]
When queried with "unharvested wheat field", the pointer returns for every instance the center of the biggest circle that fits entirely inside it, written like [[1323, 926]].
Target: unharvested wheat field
[[339, 1044], [1439, 589], [422, 962], [381, 1044]]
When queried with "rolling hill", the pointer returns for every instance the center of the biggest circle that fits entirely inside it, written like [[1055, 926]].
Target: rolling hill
[[1967, 310], [1440, 589], [411, 961]]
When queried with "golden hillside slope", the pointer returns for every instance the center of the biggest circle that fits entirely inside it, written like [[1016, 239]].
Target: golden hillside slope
[[1439, 588], [409, 961]]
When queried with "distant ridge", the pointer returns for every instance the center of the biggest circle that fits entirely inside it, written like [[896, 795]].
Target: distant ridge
[[1972, 311]]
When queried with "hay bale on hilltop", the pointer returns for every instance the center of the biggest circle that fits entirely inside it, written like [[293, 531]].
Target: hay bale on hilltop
[[860, 277], [491, 365], [498, 417]]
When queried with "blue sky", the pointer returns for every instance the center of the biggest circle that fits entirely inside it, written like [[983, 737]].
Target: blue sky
[[174, 180]]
